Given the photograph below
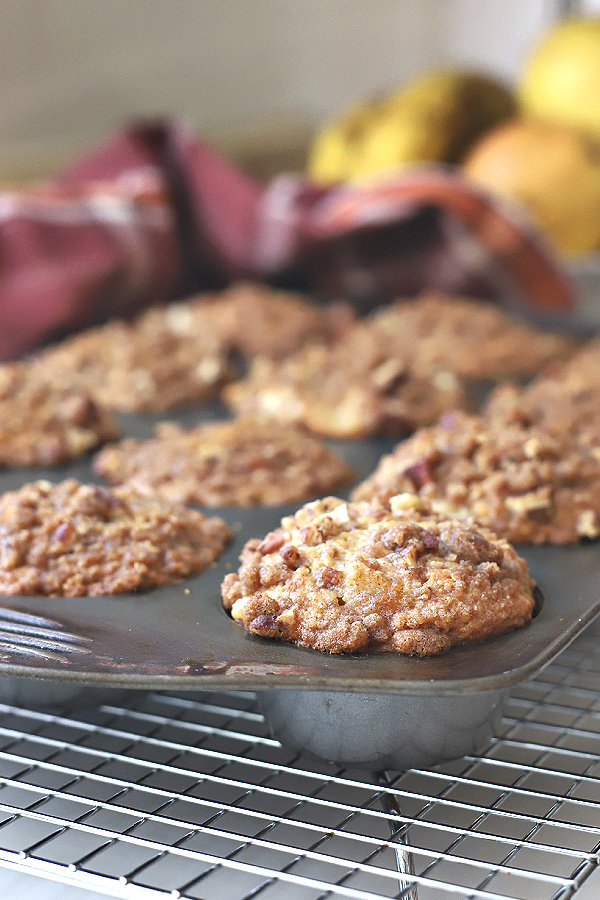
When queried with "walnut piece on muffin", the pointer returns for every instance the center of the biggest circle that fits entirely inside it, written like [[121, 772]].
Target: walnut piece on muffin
[[233, 463], [355, 388], [356, 577], [527, 484], [471, 338], [47, 418], [73, 540]]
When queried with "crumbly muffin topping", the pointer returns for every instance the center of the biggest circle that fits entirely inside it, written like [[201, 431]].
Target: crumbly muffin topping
[[471, 338], [72, 540], [354, 577], [567, 405], [152, 363], [180, 353], [235, 463], [263, 321], [356, 388], [47, 418], [586, 362], [565, 398], [525, 483]]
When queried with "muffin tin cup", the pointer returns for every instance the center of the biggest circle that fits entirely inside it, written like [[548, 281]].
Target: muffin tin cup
[[381, 731]]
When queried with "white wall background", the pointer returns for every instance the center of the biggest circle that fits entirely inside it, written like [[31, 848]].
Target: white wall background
[[236, 69]]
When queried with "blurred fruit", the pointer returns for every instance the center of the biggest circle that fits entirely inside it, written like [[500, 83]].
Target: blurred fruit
[[434, 118], [336, 146], [400, 138], [561, 81], [552, 170]]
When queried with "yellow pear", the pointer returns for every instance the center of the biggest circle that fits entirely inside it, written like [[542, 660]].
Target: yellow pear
[[398, 139], [433, 118], [552, 170], [335, 147], [561, 80], [462, 103]]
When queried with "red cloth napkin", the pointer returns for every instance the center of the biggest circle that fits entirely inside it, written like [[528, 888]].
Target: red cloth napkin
[[154, 214]]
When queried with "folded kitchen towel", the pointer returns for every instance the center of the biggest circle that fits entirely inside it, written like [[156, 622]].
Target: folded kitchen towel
[[154, 214]]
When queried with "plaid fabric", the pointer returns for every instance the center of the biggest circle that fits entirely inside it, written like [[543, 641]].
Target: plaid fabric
[[154, 214]]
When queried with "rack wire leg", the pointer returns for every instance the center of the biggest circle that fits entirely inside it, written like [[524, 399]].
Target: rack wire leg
[[404, 858]]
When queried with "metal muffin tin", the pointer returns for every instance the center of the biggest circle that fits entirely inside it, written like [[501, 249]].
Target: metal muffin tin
[[379, 710]]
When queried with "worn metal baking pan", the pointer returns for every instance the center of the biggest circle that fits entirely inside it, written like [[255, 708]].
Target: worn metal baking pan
[[377, 710]]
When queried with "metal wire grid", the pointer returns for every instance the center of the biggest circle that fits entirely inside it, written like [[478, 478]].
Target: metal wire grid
[[189, 796]]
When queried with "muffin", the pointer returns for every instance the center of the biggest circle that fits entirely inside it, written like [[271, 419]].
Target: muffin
[[526, 483], [234, 463], [263, 321], [474, 339], [355, 388], [47, 418], [153, 363], [72, 540], [360, 577]]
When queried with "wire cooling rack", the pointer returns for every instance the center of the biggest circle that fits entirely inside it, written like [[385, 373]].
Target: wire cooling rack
[[188, 796]]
